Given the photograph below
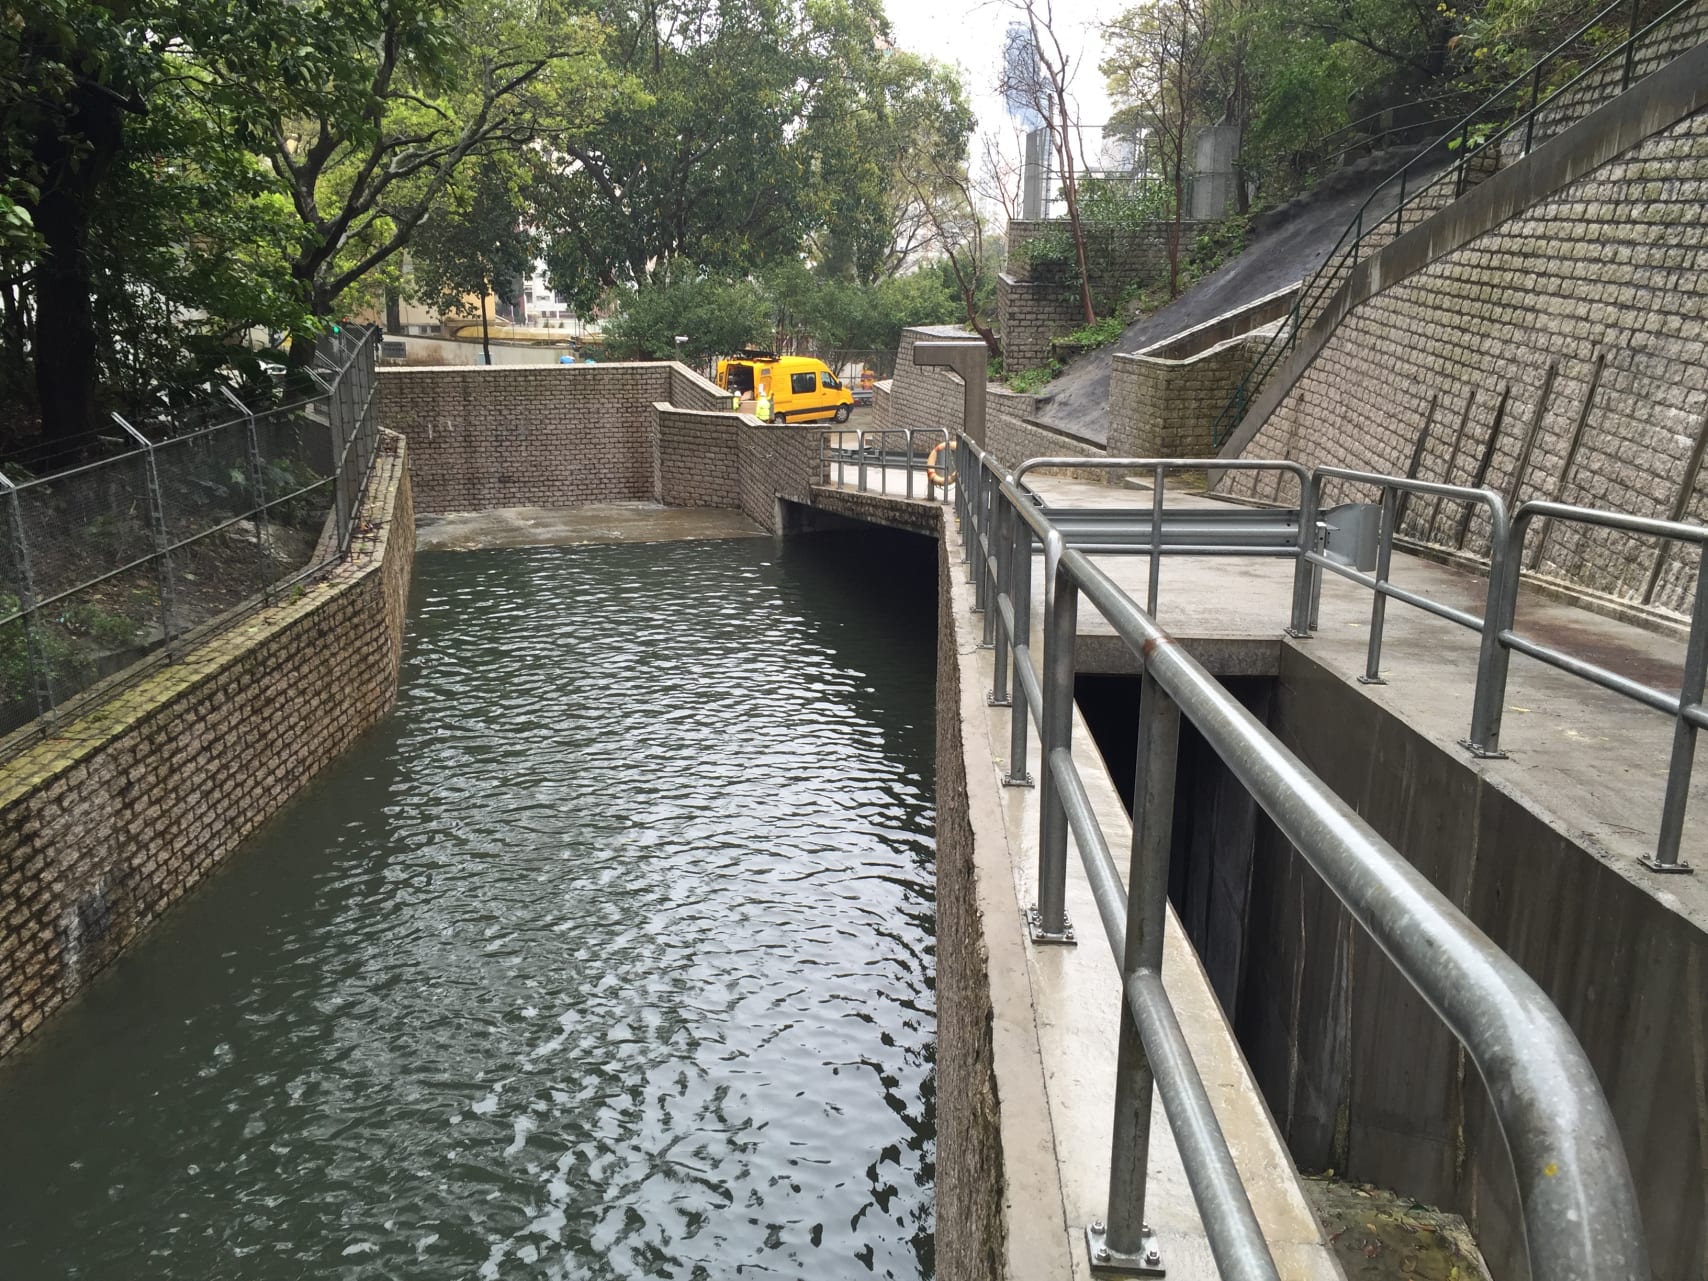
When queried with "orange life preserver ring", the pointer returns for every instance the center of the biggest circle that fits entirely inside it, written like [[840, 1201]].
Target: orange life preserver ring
[[941, 479]]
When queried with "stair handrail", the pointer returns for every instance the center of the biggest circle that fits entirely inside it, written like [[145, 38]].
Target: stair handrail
[[1329, 274]]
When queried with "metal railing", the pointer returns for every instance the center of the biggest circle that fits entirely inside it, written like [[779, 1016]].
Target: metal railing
[[130, 557], [909, 450], [1476, 139], [1574, 1183]]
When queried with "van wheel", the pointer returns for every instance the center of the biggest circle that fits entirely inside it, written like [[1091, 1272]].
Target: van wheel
[[842, 413], [779, 418]]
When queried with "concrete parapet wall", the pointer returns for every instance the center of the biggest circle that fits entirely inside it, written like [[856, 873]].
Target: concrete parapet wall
[[1161, 408], [527, 436], [1584, 259], [1031, 314], [109, 822]]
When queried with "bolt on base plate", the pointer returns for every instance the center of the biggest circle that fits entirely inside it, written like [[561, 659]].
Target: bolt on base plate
[[1146, 1261], [1654, 865], [1035, 923], [1482, 754]]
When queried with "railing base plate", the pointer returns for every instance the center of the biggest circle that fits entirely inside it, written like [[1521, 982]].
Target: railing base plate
[[991, 700], [1649, 861], [1146, 1261], [1035, 924], [1019, 780], [1371, 680], [1296, 635], [1482, 753]]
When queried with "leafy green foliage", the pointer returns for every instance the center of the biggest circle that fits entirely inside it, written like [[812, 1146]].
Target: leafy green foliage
[[716, 316]]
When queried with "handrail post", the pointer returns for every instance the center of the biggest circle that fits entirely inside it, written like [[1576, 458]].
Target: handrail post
[[1684, 736], [860, 449], [907, 439], [986, 549], [1002, 550], [1156, 542], [1061, 604], [1493, 658], [1127, 1239], [1379, 602], [1020, 595], [1300, 626], [1631, 45]]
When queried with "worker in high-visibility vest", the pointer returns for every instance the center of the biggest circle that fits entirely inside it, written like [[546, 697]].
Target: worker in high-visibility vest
[[762, 405]]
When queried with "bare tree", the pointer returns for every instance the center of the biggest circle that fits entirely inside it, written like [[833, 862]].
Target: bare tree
[[949, 203], [1041, 77]]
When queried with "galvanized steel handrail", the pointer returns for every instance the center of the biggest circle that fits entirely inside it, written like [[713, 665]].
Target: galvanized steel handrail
[[1580, 1208], [1160, 468], [910, 460], [1686, 709]]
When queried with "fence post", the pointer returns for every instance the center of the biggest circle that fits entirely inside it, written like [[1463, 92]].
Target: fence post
[[41, 683], [338, 423], [257, 489], [1126, 1240], [1061, 596], [162, 539]]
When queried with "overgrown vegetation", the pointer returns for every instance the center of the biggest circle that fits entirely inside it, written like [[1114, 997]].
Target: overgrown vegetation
[[181, 175]]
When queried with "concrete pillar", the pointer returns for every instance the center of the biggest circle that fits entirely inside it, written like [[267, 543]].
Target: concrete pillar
[[1216, 154]]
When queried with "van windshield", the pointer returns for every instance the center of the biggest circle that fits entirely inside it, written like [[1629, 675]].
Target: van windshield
[[830, 382]]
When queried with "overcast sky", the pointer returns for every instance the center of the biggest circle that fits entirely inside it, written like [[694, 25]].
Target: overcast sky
[[970, 32]]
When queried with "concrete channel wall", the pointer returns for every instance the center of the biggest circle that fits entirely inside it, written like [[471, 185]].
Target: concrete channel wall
[[1544, 336], [119, 814], [1359, 1072]]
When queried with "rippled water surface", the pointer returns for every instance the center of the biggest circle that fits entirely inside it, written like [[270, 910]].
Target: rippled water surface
[[609, 955]]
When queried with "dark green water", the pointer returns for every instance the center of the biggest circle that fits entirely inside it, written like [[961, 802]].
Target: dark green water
[[608, 955]]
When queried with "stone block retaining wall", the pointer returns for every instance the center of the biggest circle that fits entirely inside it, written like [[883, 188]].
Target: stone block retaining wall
[[110, 821], [1608, 268], [535, 436]]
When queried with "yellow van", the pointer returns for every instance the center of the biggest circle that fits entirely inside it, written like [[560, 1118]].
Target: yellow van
[[802, 387]]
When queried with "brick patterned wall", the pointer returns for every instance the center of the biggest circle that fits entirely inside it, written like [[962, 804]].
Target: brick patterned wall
[[1036, 304], [881, 417], [699, 462], [534, 436], [115, 818], [777, 461], [1163, 408], [1031, 314], [1612, 264]]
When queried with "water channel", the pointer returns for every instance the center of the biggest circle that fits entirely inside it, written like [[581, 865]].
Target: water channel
[[608, 955]]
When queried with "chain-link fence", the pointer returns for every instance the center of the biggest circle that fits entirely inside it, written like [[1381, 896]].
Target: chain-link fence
[[136, 556]]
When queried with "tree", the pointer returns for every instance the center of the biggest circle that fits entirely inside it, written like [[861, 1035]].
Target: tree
[[716, 316], [1155, 61], [1039, 74], [367, 109], [476, 241]]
